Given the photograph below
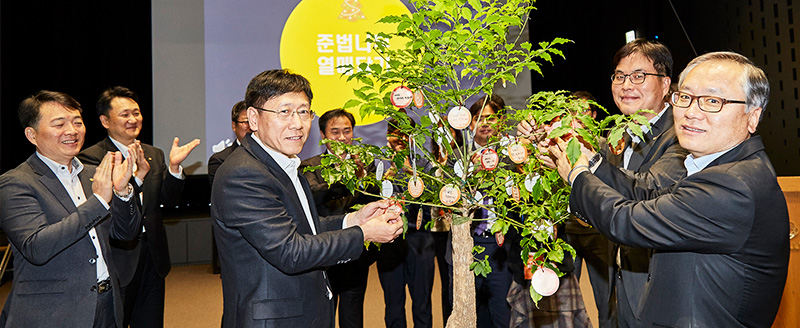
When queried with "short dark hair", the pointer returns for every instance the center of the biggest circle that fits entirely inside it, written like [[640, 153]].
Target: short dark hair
[[393, 127], [273, 83], [495, 101], [108, 95], [237, 109], [655, 51], [585, 95], [334, 113], [29, 109]]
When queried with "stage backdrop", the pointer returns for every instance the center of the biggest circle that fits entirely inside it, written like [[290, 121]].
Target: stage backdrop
[[309, 37]]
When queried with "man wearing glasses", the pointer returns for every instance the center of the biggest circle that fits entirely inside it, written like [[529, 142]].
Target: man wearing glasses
[[273, 245], [720, 233], [240, 127]]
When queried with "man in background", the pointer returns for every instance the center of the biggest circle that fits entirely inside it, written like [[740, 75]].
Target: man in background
[[348, 280], [240, 127], [143, 263]]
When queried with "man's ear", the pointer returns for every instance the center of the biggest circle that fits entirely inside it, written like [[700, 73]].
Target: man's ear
[[665, 83], [104, 121], [753, 118], [30, 134], [252, 117]]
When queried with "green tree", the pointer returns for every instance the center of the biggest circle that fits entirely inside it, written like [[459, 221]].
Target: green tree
[[456, 49]]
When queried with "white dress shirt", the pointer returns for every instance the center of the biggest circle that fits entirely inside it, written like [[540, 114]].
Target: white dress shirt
[[74, 188]]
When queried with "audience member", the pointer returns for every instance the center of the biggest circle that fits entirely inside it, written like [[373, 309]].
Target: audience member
[[64, 272], [144, 262]]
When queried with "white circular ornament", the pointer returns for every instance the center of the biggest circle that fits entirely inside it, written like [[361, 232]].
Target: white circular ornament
[[415, 187], [402, 96], [489, 159], [545, 281], [449, 194], [459, 117], [458, 169], [530, 181], [517, 152], [386, 189], [379, 171], [419, 98], [395, 208]]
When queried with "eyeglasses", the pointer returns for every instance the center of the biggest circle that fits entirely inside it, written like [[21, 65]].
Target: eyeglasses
[[243, 122], [709, 104], [285, 114], [635, 77]]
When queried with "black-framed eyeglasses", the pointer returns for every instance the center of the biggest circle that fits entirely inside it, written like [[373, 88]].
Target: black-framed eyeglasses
[[635, 77], [243, 122], [709, 104], [285, 114]]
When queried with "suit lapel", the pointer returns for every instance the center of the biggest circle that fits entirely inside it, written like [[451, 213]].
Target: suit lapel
[[259, 153], [49, 180]]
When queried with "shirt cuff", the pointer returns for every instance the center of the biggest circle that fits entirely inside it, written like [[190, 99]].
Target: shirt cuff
[[102, 201], [139, 182], [178, 175], [344, 221]]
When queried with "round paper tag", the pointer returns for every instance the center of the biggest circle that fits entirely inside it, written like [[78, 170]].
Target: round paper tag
[[449, 195], [489, 159], [419, 98], [458, 169], [499, 238], [402, 96], [530, 181], [415, 187], [517, 153], [459, 117], [395, 208], [386, 189], [379, 171], [545, 281]]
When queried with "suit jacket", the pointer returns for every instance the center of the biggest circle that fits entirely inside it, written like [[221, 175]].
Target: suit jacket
[[54, 262], [720, 238], [272, 263], [635, 261], [159, 188], [335, 199], [216, 160]]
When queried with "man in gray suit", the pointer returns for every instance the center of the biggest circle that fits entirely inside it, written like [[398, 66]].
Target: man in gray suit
[[720, 234], [273, 246], [59, 215]]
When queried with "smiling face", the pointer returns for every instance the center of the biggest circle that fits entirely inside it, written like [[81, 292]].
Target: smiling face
[[284, 136], [60, 133], [703, 133], [339, 129], [484, 123], [124, 120], [631, 97], [241, 126]]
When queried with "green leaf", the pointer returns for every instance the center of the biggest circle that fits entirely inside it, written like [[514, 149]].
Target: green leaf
[[573, 150], [535, 297]]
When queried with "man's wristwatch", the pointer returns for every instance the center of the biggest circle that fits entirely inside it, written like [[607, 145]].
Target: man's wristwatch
[[594, 161], [125, 197]]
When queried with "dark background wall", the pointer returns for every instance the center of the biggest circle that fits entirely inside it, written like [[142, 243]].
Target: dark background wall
[[77, 47], [83, 47]]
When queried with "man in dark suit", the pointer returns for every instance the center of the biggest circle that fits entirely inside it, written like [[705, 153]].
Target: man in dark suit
[[240, 127], [143, 263], [641, 80], [273, 246], [720, 234], [59, 215], [348, 280]]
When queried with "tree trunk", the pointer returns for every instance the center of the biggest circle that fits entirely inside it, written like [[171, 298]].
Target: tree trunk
[[463, 315]]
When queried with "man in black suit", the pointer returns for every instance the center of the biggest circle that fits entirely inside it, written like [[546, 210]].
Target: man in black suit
[[240, 127], [143, 263], [720, 234], [348, 280], [641, 80], [59, 215], [273, 246]]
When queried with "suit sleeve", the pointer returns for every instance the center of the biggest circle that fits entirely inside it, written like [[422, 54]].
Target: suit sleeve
[[171, 187], [213, 164], [256, 209], [709, 212], [25, 219], [126, 219]]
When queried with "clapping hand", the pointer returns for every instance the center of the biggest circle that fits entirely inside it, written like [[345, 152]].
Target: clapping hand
[[178, 153]]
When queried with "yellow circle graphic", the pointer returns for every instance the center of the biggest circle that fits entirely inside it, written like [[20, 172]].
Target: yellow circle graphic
[[321, 35]]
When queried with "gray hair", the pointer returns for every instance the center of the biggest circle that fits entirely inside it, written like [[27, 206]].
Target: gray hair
[[756, 85]]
